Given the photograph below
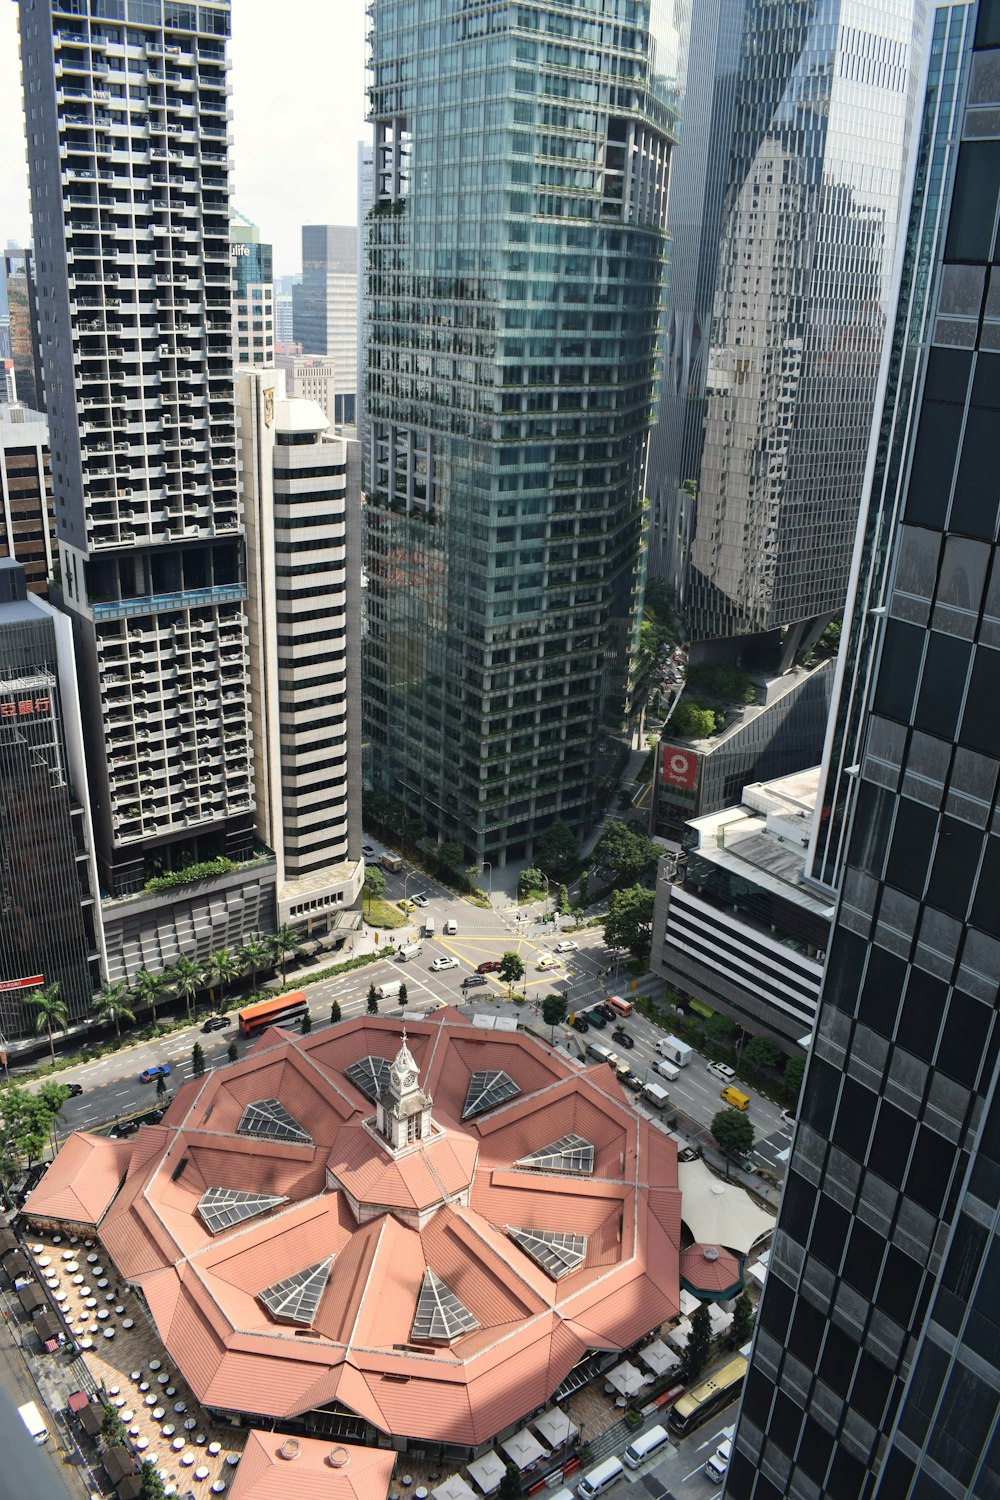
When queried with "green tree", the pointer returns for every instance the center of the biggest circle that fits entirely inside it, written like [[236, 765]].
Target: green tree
[[732, 1132], [25, 1125], [760, 1052], [374, 886], [112, 1428], [562, 898], [554, 1009], [254, 955], [161, 1085], [449, 856], [511, 969], [307, 1024], [111, 1004], [52, 1095], [510, 1484], [151, 1486], [197, 1060], [719, 1028], [699, 1343], [626, 853], [233, 1051], [693, 721], [742, 1319], [51, 1011], [147, 991], [283, 944], [794, 1069], [556, 849], [372, 1000], [335, 1015], [403, 992], [629, 922], [584, 886], [529, 881], [186, 979], [414, 830], [221, 969]]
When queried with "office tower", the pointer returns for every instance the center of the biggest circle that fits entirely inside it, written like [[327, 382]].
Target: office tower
[[50, 917], [253, 294], [309, 378], [516, 255], [366, 202], [27, 513], [282, 319], [786, 208], [302, 503], [129, 175], [324, 305], [19, 296], [876, 1366]]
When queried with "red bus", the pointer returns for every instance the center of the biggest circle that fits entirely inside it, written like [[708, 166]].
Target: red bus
[[282, 1010]]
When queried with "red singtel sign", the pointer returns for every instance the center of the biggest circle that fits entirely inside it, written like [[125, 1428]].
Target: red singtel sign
[[679, 767]]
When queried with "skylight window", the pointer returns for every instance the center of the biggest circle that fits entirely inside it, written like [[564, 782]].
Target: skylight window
[[571, 1153], [440, 1317], [296, 1299], [268, 1118], [221, 1208], [487, 1089], [370, 1075], [556, 1253]]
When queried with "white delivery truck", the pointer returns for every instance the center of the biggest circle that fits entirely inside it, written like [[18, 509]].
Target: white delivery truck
[[428, 927], [668, 1070], [390, 990], [674, 1050], [655, 1095], [32, 1419], [408, 951], [450, 927]]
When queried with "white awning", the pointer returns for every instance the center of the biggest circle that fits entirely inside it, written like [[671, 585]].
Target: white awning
[[523, 1449], [626, 1378], [658, 1358], [487, 1471], [719, 1213], [689, 1302], [679, 1335], [555, 1428], [454, 1488]]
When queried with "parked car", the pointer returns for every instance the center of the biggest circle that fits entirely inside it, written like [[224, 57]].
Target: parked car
[[622, 1036], [406, 905], [489, 966], [216, 1023], [445, 962], [608, 1011], [597, 1018], [123, 1128], [788, 1117], [580, 1023], [368, 850], [633, 1082], [567, 945], [149, 1075], [547, 961], [420, 899], [75, 1089], [722, 1070], [473, 981]]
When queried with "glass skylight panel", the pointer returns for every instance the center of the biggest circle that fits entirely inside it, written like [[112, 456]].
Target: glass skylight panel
[[440, 1317], [270, 1119], [571, 1153], [370, 1075], [486, 1089], [556, 1253], [296, 1298], [221, 1207]]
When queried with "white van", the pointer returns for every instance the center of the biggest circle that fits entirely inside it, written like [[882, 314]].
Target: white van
[[715, 1469], [450, 927], [600, 1479], [32, 1419], [389, 991], [408, 951], [667, 1070], [644, 1446], [428, 927]]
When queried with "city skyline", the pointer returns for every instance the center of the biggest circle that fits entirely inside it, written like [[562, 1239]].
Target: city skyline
[[284, 175]]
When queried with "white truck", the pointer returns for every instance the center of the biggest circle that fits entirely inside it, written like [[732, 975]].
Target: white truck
[[667, 1070], [655, 1095], [674, 1050], [450, 927], [428, 927], [408, 951], [390, 990], [32, 1419]]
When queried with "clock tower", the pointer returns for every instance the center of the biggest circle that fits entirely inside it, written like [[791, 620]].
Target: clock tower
[[403, 1108]]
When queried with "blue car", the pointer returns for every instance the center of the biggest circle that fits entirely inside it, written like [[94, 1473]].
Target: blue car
[[162, 1070]]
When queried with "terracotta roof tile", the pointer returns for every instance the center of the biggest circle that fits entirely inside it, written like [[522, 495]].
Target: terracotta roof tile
[[82, 1181], [264, 1475]]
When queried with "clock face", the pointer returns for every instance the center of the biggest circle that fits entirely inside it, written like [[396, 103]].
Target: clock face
[[409, 1079]]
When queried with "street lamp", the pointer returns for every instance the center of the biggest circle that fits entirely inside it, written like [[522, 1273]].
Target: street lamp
[[488, 865]]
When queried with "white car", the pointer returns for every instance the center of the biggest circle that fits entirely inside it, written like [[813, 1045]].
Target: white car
[[420, 899], [567, 946], [368, 850], [445, 962], [548, 961], [723, 1071]]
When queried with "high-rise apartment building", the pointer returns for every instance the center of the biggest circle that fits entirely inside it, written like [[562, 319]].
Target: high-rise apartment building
[[785, 213], [516, 255], [876, 1365], [128, 140], [366, 202], [27, 511], [253, 294], [325, 305], [301, 495]]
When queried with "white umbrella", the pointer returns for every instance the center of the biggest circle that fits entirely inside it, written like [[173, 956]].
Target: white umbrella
[[454, 1488], [658, 1358], [626, 1379], [487, 1471], [554, 1427], [523, 1449], [679, 1335]]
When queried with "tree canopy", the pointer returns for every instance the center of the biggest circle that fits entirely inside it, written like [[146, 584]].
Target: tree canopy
[[626, 853], [630, 921], [761, 1052], [554, 1009], [511, 968], [556, 849], [732, 1132], [26, 1122], [794, 1069]]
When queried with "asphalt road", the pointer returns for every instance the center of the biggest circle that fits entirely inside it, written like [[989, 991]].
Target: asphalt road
[[29, 1472]]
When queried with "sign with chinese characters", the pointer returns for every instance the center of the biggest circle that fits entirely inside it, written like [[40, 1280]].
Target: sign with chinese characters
[[28, 983], [23, 708], [679, 767]]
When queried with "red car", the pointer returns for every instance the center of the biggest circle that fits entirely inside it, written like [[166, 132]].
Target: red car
[[491, 966]]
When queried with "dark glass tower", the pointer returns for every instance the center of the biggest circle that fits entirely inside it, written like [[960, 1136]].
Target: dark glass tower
[[515, 274], [876, 1366]]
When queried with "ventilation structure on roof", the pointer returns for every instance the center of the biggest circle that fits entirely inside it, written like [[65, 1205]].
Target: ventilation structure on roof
[[221, 1207], [370, 1075], [486, 1089], [296, 1299], [269, 1118], [440, 1317], [571, 1153], [556, 1253]]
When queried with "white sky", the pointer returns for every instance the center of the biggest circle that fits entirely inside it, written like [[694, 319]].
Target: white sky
[[298, 113]]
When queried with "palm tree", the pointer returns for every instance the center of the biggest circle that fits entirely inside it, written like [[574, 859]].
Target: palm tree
[[253, 956], [284, 942], [186, 978], [220, 968], [111, 1004], [147, 989], [50, 1010]]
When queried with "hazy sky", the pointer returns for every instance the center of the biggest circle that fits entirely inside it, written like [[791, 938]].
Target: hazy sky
[[298, 114]]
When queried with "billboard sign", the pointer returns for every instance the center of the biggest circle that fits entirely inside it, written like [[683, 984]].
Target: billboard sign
[[678, 767], [29, 982]]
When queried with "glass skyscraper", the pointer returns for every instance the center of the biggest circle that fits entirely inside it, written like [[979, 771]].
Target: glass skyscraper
[[876, 1364], [516, 257]]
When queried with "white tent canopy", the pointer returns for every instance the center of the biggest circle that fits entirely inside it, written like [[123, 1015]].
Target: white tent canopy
[[689, 1302], [721, 1320], [523, 1449], [626, 1378], [658, 1358], [679, 1334], [454, 1488], [487, 1471], [719, 1213], [555, 1428]]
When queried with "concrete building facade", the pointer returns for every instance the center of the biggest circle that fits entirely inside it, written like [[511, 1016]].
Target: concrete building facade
[[27, 508], [325, 306]]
